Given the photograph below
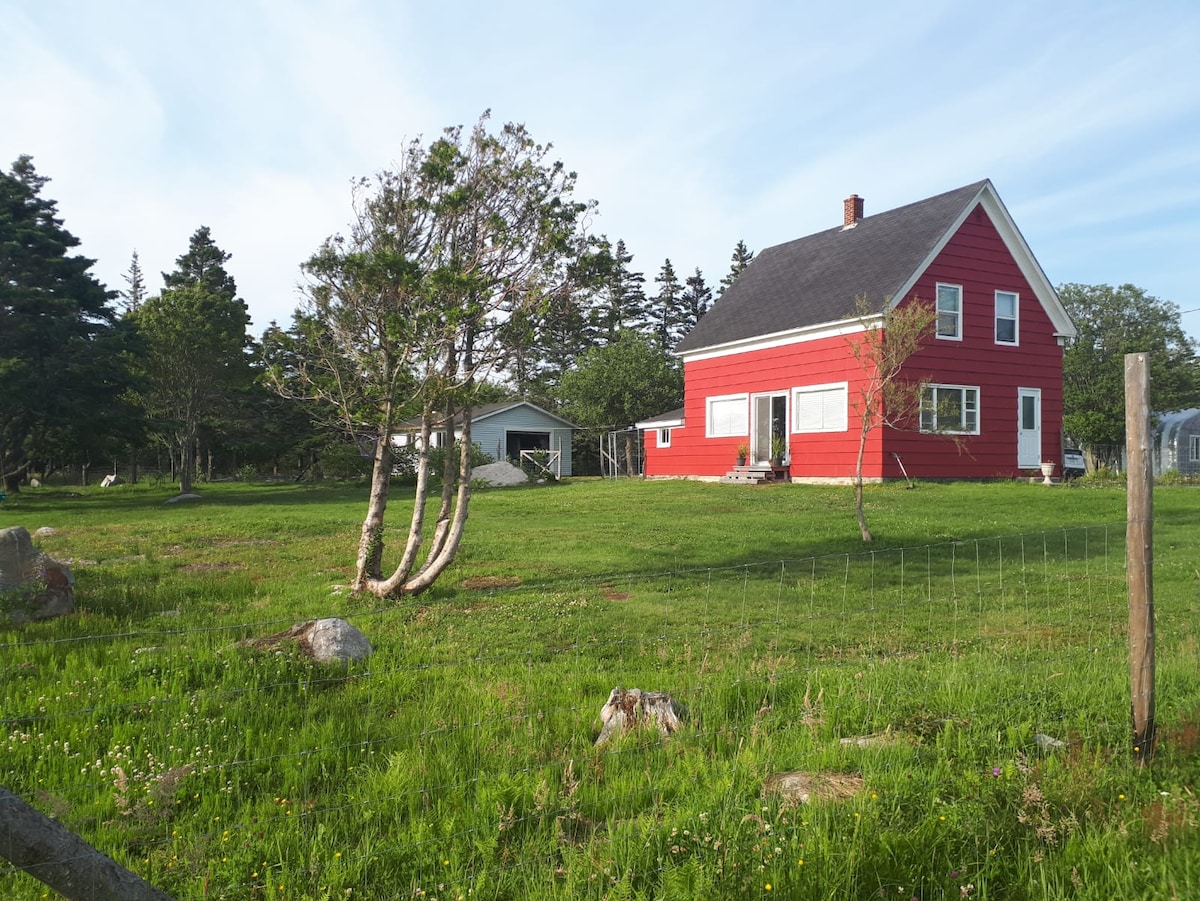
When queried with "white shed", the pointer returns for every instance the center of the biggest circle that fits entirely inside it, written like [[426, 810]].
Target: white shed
[[511, 428]]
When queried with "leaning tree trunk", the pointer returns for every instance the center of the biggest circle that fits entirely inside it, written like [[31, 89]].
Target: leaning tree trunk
[[448, 532], [48, 851], [368, 566]]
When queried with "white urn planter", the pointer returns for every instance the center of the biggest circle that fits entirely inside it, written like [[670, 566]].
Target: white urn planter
[[1047, 471]]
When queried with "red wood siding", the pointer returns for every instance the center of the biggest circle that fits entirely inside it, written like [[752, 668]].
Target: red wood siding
[[975, 258]]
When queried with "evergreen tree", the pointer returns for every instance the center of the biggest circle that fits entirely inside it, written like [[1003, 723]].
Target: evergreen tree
[[203, 264], [742, 255], [664, 315], [135, 294], [196, 369], [59, 356], [620, 302], [696, 299]]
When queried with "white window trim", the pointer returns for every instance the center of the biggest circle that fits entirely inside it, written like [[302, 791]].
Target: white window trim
[[963, 407], [1194, 448], [1016, 319], [667, 433], [958, 335], [708, 423], [827, 387]]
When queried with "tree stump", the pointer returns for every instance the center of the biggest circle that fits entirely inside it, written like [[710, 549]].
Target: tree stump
[[634, 708]]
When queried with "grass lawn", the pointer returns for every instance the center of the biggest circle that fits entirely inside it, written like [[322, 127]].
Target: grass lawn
[[940, 664]]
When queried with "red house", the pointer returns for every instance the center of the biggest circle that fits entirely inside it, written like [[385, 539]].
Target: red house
[[772, 359]]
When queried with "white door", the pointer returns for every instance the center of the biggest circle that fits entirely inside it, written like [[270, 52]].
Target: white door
[[1029, 428], [770, 421]]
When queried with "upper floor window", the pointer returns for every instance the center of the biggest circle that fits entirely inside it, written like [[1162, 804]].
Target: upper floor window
[[1006, 317], [949, 312], [727, 416], [950, 408]]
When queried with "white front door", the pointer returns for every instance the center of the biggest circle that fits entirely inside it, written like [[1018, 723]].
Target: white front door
[[770, 420], [1029, 428]]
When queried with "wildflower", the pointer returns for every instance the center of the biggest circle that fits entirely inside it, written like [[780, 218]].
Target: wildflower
[[800, 862], [1120, 797], [767, 886], [996, 771], [337, 853]]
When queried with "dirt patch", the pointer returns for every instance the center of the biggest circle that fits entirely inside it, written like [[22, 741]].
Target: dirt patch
[[611, 594], [483, 583]]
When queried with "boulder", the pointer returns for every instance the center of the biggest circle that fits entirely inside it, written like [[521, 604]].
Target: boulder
[[329, 640], [807, 788], [32, 585], [112, 479], [634, 708]]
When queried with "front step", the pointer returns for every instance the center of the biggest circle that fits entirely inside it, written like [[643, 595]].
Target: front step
[[755, 475]]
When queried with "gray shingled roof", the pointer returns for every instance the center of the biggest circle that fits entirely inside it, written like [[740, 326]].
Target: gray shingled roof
[[816, 279]]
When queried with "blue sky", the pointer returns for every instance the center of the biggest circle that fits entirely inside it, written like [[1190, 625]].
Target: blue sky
[[692, 124]]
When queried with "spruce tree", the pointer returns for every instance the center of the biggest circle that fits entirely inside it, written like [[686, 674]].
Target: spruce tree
[[58, 369], [664, 314], [742, 255]]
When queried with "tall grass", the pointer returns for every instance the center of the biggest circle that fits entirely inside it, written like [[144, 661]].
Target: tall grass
[[941, 664]]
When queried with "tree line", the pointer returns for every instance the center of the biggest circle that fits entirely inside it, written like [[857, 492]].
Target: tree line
[[171, 379]]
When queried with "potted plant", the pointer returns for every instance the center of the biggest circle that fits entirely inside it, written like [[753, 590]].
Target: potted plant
[[778, 450], [743, 451]]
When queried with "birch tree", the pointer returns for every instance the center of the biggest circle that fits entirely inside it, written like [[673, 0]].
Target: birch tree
[[403, 317], [886, 396]]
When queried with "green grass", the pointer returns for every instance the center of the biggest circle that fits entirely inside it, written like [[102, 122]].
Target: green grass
[[458, 761]]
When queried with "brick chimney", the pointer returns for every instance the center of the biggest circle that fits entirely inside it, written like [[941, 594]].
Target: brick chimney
[[853, 210]]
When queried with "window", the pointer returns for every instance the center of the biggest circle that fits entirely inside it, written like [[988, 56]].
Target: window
[[664, 437], [949, 312], [1194, 449], [950, 408], [728, 416], [820, 408], [1006, 317]]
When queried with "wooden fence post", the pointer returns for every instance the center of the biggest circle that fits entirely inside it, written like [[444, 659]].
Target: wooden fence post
[[48, 851], [1139, 552]]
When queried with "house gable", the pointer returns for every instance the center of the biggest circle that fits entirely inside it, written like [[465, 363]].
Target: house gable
[[808, 289]]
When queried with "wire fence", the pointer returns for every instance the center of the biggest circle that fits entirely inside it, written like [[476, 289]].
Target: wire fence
[[459, 760]]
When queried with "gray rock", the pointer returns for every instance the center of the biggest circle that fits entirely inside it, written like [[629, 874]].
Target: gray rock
[[182, 497], [45, 532], [330, 640], [32, 585]]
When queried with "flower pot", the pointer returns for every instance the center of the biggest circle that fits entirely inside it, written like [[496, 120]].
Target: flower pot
[[1047, 471]]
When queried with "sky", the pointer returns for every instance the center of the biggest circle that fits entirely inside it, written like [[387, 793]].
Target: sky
[[693, 125]]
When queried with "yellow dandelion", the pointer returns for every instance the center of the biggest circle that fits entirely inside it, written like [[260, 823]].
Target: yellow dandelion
[[1120, 797], [337, 853], [767, 886], [800, 862]]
